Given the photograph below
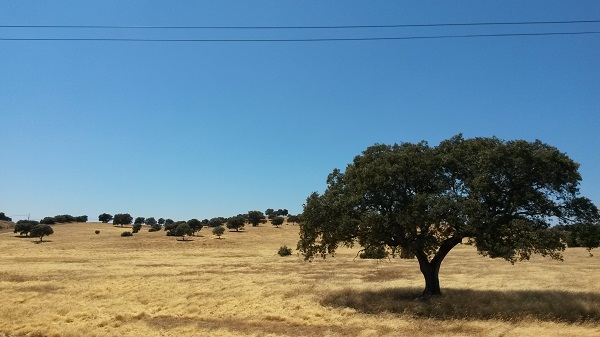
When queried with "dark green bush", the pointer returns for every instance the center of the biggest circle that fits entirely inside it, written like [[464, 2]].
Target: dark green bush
[[284, 251], [374, 252], [97, 231], [127, 233]]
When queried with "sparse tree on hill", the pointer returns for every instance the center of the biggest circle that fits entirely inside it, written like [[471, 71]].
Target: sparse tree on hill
[[23, 227], [423, 201], [168, 222], [161, 221], [122, 219], [237, 222], [293, 219], [183, 229], [218, 231], [256, 218], [277, 221], [3, 217], [105, 217], [41, 231], [136, 227], [81, 218], [269, 211], [150, 221], [215, 222], [139, 220], [195, 225], [47, 221]]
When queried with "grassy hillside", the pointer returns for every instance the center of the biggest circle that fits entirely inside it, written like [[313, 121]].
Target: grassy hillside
[[83, 284]]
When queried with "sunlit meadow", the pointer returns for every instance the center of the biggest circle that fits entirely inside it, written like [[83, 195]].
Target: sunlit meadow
[[78, 283]]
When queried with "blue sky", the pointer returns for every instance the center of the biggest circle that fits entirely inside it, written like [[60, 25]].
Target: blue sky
[[197, 130]]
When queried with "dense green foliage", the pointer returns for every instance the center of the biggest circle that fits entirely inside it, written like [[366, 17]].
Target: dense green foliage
[[277, 221], [3, 217], [218, 231], [122, 219], [40, 231], [127, 233], [183, 229], [23, 227], [256, 218], [423, 201], [237, 222], [195, 225], [105, 217], [284, 251]]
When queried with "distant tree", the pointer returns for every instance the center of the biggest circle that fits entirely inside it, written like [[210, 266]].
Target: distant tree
[[105, 217], [168, 222], [155, 228], [269, 211], [150, 221], [122, 219], [48, 221], [81, 218], [236, 222], [136, 227], [3, 217], [293, 219], [139, 220], [256, 218], [587, 235], [183, 229], [281, 212], [64, 218], [195, 224], [41, 231], [171, 228], [161, 221], [23, 227], [218, 231], [215, 222], [277, 221]]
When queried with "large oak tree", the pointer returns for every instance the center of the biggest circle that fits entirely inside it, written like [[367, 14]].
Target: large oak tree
[[419, 201]]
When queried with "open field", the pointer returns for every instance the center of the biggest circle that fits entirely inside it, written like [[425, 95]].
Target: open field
[[82, 284]]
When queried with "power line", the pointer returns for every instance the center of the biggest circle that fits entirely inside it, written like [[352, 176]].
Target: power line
[[307, 40], [306, 27]]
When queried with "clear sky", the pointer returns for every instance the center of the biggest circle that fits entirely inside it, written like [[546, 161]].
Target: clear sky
[[197, 130]]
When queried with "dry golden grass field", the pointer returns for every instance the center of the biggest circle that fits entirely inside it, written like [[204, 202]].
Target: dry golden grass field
[[78, 283]]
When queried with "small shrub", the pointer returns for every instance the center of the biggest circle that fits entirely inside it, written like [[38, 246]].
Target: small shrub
[[377, 252], [127, 233], [218, 231], [97, 231], [284, 251]]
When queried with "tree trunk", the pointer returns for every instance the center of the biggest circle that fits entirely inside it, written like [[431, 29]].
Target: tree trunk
[[431, 269]]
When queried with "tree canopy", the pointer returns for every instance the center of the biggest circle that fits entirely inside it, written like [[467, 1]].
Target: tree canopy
[[122, 219], [256, 217], [420, 201], [236, 222], [105, 217], [41, 230]]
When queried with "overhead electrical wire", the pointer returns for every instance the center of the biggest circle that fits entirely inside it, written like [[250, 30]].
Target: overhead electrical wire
[[306, 27], [315, 39], [305, 40]]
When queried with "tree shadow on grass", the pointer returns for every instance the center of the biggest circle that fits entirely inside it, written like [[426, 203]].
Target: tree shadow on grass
[[37, 242], [562, 306]]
